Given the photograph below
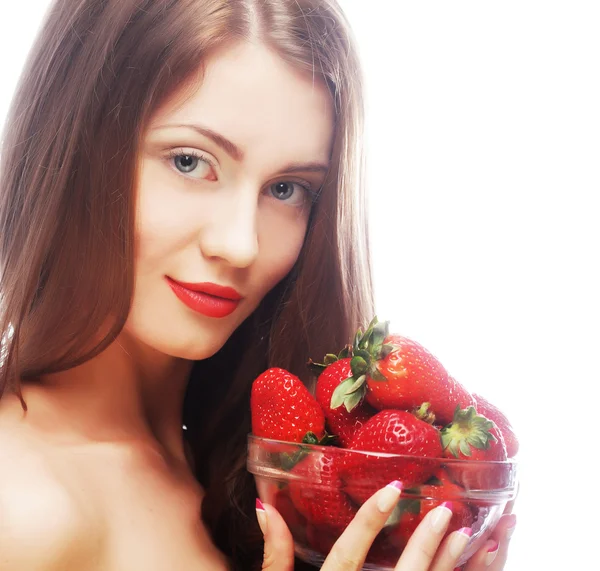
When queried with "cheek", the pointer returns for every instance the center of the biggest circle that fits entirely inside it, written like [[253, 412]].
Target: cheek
[[164, 225], [280, 242]]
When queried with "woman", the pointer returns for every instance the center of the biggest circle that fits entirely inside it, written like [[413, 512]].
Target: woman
[[180, 208]]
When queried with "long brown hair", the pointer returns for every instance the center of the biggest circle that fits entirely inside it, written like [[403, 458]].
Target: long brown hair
[[96, 74]]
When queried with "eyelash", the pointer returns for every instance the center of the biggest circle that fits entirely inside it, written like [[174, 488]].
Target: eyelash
[[306, 185]]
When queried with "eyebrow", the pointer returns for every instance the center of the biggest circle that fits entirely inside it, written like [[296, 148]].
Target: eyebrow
[[237, 154]]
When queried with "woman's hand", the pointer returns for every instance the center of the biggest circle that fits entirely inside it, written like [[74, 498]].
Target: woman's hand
[[492, 556], [427, 550]]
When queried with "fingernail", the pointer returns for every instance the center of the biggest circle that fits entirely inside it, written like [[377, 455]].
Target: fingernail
[[459, 541], [388, 496], [441, 516], [491, 554], [261, 516]]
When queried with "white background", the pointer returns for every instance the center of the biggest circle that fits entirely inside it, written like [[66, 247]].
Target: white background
[[484, 152]]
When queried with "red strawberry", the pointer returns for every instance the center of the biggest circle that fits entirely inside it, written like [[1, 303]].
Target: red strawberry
[[392, 371], [393, 432], [321, 538], [317, 493], [383, 552], [293, 519], [431, 494], [283, 409], [340, 421], [492, 412], [473, 437], [413, 376]]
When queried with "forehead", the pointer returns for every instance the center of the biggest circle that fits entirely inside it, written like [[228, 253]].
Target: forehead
[[251, 96]]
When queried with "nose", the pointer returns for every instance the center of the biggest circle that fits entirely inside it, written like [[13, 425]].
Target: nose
[[231, 230]]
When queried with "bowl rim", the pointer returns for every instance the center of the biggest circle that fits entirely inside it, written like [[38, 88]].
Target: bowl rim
[[252, 438]]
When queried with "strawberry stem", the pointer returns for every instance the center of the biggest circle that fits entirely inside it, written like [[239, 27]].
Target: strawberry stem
[[467, 430], [424, 413]]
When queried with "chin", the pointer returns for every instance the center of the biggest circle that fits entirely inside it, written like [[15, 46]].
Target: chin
[[194, 353], [196, 348], [181, 342]]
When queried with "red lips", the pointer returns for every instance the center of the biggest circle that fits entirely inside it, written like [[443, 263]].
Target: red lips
[[210, 299]]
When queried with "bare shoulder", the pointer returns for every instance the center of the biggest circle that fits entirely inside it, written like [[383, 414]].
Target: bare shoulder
[[42, 525]]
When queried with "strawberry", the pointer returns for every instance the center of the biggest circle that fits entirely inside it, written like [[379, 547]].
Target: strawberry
[[321, 538], [296, 522], [340, 421], [283, 409], [415, 376], [382, 552], [410, 512], [490, 411], [472, 436], [391, 371], [317, 492], [392, 432]]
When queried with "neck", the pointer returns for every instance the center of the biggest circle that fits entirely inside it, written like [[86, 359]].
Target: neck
[[129, 393]]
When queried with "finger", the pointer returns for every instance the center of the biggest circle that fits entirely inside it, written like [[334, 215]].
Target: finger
[[483, 558], [493, 555], [451, 550], [350, 550], [422, 547], [509, 507], [279, 545]]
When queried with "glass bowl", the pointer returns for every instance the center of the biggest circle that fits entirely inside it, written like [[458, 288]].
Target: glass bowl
[[318, 489]]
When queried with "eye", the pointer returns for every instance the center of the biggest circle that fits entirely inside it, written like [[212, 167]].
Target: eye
[[293, 193], [193, 165], [186, 163]]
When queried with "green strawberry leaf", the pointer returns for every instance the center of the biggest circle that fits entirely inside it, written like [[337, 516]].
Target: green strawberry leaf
[[357, 339], [339, 394], [315, 368], [405, 505], [328, 440], [375, 374], [288, 461], [347, 351], [330, 358], [380, 332], [465, 448], [357, 384], [353, 400], [358, 365], [364, 354], [310, 438], [434, 481], [411, 506], [386, 349], [364, 340]]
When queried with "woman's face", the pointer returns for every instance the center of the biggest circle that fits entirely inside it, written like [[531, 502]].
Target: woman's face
[[224, 197]]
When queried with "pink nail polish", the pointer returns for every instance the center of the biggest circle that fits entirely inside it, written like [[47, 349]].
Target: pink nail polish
[[466, 531], [396, 484], [259, 505], [447, 505], [491, 554]]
